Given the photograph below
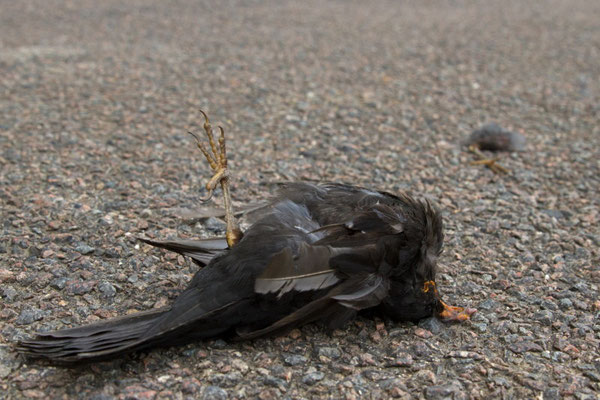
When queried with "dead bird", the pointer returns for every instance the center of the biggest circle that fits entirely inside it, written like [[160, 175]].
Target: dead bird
[[492, 137], [316, 252]]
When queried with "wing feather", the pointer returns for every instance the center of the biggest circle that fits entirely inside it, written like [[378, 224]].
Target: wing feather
[[364, 226], [369, 292], [354, 295], [308, 270]]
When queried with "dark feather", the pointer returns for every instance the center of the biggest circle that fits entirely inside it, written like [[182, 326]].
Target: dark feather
[[200, 251], [355, 295], [367, 292], [308, 270], [91, 341]]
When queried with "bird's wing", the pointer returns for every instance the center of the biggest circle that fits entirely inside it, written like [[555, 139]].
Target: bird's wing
[[307, 270], [201, 251], [338, 304], [364, 225], [347, 260], [348, 278]]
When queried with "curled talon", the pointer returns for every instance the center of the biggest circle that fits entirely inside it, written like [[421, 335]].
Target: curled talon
[[195, 137], [218, 163], [205, 199], [206, 120]]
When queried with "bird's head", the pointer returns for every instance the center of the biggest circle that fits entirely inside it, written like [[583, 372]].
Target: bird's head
[[413, 292]]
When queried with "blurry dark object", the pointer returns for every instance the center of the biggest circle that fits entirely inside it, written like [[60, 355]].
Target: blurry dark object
[[315, 253], [492, 137]]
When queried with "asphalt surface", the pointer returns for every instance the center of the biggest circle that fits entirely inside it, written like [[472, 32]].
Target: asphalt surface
[[95, 102]]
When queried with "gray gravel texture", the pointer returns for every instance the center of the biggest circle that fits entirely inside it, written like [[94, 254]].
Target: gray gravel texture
[[96, 98]]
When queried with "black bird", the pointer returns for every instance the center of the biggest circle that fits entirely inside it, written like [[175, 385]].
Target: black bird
[[315, 253], [493, 137]]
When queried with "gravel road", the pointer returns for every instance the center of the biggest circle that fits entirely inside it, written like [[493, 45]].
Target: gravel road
[[95, 101]]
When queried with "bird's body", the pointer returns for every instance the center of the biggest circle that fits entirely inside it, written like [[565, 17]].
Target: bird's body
[[315, 253]]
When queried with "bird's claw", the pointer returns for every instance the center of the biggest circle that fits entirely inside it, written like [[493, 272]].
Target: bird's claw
[[491, 163], [217, 159], [208, 197]]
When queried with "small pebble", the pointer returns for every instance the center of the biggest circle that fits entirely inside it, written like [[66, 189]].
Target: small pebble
[[312, 378], [84, 249], [29, 315], [214, 393]]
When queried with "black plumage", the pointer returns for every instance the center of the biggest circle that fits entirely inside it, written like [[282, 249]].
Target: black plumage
[[315, 253]]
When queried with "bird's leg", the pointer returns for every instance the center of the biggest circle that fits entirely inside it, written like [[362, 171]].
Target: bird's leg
[[491, 163], [218, 163]]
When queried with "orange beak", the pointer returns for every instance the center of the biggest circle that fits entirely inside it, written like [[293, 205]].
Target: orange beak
[[449, 313]]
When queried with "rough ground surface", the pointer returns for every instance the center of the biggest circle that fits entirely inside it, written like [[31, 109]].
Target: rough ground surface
[[95, 101]]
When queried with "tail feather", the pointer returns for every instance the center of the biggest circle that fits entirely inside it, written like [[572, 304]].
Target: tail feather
[[95, 341], [201, 251]]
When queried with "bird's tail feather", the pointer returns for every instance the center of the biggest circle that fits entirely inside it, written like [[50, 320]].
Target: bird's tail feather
[[201, 251], [95, 341]]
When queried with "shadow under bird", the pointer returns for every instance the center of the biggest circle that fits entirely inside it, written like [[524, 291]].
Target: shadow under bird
[[316, 252]]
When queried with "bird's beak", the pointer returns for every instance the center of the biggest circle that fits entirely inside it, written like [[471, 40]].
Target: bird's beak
[[459, 314], [449, 313]]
